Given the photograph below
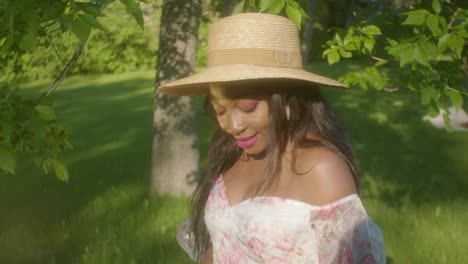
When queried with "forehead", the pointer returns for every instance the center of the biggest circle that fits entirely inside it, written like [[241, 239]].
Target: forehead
[[232, 92]]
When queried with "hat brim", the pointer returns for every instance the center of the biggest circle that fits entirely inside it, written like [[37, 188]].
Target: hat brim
[[198, 84]]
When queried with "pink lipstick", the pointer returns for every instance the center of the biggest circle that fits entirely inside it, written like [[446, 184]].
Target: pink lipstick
[[246, 142]]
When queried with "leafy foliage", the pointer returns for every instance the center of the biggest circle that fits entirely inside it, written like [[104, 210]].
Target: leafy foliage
[[430, 55], [292, 8], [29, 126]]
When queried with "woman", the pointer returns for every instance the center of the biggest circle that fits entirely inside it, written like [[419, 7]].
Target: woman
[[281, 185]]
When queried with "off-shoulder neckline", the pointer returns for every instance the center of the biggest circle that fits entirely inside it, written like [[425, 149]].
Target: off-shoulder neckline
[[263, 198]]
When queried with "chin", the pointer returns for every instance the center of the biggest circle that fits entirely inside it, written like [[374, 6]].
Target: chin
[[256, 151]]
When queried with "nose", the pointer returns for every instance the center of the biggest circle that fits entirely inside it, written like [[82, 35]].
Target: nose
[[236, 124]]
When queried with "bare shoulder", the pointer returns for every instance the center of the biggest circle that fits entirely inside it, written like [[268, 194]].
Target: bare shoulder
[[326, 178]]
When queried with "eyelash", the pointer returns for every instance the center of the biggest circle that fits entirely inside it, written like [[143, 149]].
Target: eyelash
[[250, 110]]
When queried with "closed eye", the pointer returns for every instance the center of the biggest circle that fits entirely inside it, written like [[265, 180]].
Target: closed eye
[[219, 113], [248, 106], [219, 110]]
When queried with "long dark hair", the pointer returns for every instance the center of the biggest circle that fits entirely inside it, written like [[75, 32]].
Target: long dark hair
[[309, 115]]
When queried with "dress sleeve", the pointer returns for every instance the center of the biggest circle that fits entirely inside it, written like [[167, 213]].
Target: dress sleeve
[[345, 234], [186, 239]]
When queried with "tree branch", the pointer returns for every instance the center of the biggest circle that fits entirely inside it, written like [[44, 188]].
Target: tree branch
[[378, 59], [55, 50], [64, 72], [453, 18], [450, 88]]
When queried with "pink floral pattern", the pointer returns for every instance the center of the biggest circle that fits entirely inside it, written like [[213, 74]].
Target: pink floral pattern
[[273, 230]]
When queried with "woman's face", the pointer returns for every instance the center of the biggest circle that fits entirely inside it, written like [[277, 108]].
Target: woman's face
[[245, 119]]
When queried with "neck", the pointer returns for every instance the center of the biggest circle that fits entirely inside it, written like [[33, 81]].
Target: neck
[[263, 156]]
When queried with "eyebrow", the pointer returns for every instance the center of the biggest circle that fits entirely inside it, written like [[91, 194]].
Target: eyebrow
[[235, 100], [215, 101]]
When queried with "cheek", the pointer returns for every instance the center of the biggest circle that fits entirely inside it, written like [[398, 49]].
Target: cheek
[[261, 120], [222, 123]]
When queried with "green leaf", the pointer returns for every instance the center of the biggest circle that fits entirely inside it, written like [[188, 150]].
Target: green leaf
[[54, 11], [406, 56], [338, 39], [265, 5], [345, 54], [30, 16], [91, 9], [427, 94], [7, 161], [134, 10], [273, 6], [7, 44], [350, 47], [432, 22], [455, 97], [380, 63], [391, 42], [421, 56], [429, 49], [106, 2], [304, 13], [333, 57], [348, 39], [416, 17], [61, 171], [45, 113], [239, 8], [369, 44], [294, 4], [81, 29], [362, 83], [372, 30], [442, 44], [436, 6], [444, 57], [357, 41], [28, 42], [455, 43], [66, 21], [91, 21], [432, 110], [294, 15], [443, 23]]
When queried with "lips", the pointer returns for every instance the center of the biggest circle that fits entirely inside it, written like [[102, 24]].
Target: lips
[[246, 142]]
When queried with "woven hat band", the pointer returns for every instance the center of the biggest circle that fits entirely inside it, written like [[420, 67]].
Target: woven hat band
[[260, 57]]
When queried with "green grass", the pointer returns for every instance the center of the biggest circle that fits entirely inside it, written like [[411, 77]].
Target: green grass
[[104, 214], [414, 179]]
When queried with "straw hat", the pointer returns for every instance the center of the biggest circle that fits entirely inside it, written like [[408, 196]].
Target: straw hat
[[249, 46]]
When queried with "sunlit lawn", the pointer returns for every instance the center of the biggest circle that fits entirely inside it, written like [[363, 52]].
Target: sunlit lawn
[[414, 180]]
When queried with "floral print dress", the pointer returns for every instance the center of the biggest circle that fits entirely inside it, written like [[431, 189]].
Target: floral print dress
[[274, 230]]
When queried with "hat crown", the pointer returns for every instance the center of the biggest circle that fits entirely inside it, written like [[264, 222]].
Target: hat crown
[[254, 39], [254, 31]]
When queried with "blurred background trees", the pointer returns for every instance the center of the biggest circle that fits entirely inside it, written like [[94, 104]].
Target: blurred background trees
[[404, 52], [47, 39]]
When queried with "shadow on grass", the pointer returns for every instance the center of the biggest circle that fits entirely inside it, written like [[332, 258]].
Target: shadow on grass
[[94, 216], [401, 157]]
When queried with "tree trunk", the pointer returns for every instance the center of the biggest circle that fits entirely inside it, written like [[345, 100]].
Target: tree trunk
[[228, 7], [308, 31], [349, 14], [175, 149]]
